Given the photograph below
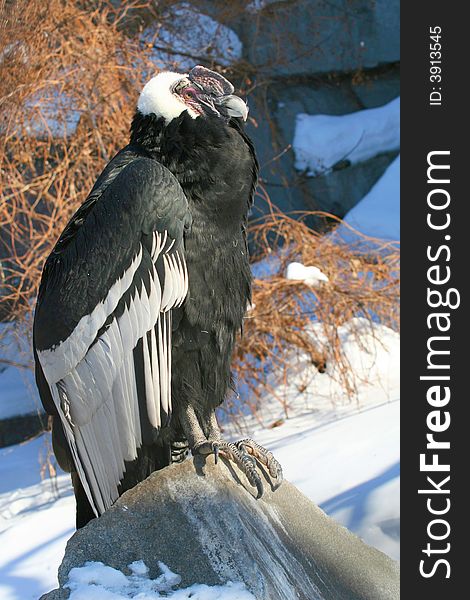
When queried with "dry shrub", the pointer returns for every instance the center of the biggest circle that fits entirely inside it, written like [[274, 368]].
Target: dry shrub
[[363, 282], [68, 81]]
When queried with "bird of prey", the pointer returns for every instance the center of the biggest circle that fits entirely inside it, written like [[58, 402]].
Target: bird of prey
[[144, 293]]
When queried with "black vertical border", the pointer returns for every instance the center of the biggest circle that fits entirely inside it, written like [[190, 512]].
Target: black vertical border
[[425, 128]]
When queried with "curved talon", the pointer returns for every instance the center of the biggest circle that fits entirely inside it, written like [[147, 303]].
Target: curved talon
[[249, 464], [259, 486], [279, 479], [246, 454], [256, 452]]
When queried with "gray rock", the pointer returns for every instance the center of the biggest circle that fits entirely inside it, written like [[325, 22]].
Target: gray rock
[[339, 191], [59, 594], [275, 110], [301, 37], [304, 36], [376, 90], [204, 523]]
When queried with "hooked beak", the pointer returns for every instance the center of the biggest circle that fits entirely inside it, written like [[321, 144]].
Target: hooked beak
[[233, 106], [216, 93]]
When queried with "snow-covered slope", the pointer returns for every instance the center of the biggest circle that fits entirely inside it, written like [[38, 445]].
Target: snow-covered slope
[[322, 141], [378, 213], [36, 520]]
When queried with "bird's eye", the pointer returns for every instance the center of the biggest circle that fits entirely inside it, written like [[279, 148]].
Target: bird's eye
[[189, 93], [180, 85]]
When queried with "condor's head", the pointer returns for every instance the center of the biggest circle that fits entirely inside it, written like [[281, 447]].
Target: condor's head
[[192, 125], [201, 92]]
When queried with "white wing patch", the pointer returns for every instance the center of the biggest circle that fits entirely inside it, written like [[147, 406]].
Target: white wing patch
[[93, 381], [61, 359]]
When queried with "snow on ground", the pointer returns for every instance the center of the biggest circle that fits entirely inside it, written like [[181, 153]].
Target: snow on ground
[[96, 581], [342, 454], [18, 393], [36, 520], [322, 141], [194, 34], [378, 213]]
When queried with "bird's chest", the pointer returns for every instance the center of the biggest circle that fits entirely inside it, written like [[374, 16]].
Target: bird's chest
[[216, 171], [219, 276]]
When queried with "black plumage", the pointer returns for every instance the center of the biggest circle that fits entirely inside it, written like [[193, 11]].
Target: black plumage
[[168, 210], [217, 169]]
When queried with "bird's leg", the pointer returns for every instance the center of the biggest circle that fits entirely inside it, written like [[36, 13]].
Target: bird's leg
[[197, 439], [244, 453]]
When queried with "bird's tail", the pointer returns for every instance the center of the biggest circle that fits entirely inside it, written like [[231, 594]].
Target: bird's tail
[[150, 458]]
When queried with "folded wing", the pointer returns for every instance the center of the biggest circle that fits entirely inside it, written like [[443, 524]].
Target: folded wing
[[103, 323]]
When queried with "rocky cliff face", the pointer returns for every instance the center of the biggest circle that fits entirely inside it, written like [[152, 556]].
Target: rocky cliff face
[[329, 57], [203, 522]]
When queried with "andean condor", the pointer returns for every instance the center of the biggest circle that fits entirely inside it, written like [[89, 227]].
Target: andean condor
[[144, 292]]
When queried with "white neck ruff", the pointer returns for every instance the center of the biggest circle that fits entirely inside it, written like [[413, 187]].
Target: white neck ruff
[[157, 98]]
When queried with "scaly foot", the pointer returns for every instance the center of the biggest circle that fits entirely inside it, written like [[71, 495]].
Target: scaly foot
[[245, 454], [263, 456]]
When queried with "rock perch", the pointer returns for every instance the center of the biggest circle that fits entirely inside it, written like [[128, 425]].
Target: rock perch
[[202, 521]]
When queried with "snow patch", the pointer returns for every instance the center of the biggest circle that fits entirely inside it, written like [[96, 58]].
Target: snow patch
[[97, 581], [378, 213], [255, 6], [310, 275], [138, 567], [195, 36], [18, 393], [322, 141]]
